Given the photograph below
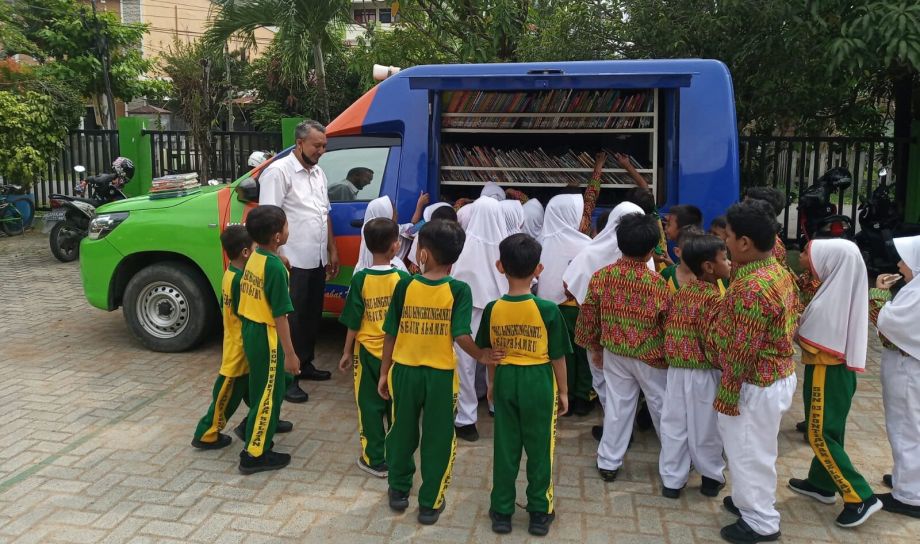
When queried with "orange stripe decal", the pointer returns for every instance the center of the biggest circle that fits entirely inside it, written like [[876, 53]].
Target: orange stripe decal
[[350, 121]]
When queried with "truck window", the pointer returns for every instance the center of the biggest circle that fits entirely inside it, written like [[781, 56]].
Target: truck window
[[355, 174]]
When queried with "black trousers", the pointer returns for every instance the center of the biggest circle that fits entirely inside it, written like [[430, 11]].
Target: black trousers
[[307, 287]]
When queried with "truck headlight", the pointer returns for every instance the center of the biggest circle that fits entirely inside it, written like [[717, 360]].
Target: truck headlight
[[103, 224]]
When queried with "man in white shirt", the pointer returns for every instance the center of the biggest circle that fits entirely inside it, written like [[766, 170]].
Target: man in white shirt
[[357, 178], [298, 186]]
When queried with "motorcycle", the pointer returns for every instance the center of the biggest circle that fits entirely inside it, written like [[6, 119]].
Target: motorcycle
[[879, 224], [818, 217], [68, 222]]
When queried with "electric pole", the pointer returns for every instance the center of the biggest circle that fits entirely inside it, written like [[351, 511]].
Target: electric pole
[[102, 51]]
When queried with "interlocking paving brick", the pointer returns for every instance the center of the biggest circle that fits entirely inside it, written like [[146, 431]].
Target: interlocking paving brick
[[98, 433]]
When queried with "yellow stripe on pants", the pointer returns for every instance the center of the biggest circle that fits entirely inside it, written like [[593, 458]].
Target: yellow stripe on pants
[[219, 418], [552, 448], [263, 417], [357, 376], [445, 480], [816, 436]]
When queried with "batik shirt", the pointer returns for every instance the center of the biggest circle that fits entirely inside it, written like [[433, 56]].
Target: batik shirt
[[692, 307], [877, 299]]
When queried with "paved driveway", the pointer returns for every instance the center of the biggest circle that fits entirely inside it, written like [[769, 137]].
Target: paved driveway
[[97, 435]]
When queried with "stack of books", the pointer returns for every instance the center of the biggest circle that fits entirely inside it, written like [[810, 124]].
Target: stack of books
[[174, 185]]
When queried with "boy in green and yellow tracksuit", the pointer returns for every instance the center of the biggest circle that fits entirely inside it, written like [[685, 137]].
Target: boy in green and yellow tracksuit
[[427, 314], [265, 301], [232, 384], [524, 385], [365, 309]]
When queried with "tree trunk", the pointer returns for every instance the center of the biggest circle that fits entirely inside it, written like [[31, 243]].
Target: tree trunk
[[321, 81]]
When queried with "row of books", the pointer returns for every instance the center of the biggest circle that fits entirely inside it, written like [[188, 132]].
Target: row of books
[[458, 155], [554, 101], [547, 123], [174, 185], [512, 177]]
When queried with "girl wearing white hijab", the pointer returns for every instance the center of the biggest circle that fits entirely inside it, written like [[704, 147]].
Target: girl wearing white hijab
[[561, 242], [493, 190], [426, 217], [533, 218], [476, 267], [514, 216], [833, 334], [897, 324], [380, 207]]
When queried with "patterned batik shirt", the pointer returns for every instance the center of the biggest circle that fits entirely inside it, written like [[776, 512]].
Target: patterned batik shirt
[[691, 308], [877, 299]]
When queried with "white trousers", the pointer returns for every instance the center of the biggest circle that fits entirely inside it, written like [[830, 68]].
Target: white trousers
[[750, 441], [901, 396], [689, 427], [467, 400], [624, 378], [597, 382]]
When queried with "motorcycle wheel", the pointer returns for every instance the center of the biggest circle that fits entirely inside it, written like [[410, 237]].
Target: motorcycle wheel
[[65, 242]]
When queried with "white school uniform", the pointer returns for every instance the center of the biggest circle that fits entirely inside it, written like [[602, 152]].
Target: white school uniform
[[533, 218]]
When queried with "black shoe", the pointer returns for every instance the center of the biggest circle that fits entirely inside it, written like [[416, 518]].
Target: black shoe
[[314, 374], [501, 523], [670, 493], [379, 470], [582, 407], [711, 487], [281, 427], [644, 418], [222, 442], [240, 430], [295, 394], [893, 505], [269, 460], [608, 475], [399, 500], [597, 432], [801, 426], [540, 522], [855, 514], [741, 533], [802, 487], [729, 505], [886, 479], [467, 432], [429, 516]]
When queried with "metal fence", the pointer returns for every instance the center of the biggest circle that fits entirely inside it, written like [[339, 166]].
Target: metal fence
[[93, 149], [174, 151]]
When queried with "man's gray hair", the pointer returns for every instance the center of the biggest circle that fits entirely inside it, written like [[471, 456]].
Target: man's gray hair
[[304, 128]]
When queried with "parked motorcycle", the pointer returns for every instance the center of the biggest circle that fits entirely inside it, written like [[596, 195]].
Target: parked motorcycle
[[879, 224], [70, 216], [818, 216]]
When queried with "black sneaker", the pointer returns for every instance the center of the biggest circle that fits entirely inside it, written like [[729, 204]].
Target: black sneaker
[[429, 516], [729, 505], [580, 407], [801, 426], [802, 487], [856, 513], [379, 470], [467, 432], [711, 487], [295, 394], [597, 432], [281, 427], [886, 479], [540, 522], [399, 500], [269, 460], [893, 505], [608, 475], [670, 492], [741, 533], [501, 523], [222, 442]]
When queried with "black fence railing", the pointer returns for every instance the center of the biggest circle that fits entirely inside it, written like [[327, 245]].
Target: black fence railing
[[93, 149], [175, 151], [793, 163]]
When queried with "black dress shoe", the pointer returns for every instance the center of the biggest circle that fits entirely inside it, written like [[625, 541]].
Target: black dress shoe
[[314, 375], [741, 533], [295, 394], [887, 480]]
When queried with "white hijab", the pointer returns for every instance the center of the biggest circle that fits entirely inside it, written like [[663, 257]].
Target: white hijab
[[602, 251], [379, 207], [493, 190], [426, 216], [476, 264], [837, 318], [561, 242], [514, 216], [898, 319], [533, 217]]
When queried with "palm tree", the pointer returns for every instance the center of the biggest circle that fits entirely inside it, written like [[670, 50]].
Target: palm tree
[[304, 29]]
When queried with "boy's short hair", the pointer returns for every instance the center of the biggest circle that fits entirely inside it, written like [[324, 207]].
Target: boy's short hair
[[443, 239], [379, 234], [686, 215], [444, 213], [754, 219], [602, 220], [642, 198], [685, 233], [264, 222], [519, 255], [700, 249], [234, 240], [637, 234], [718, 223], [771, 195]]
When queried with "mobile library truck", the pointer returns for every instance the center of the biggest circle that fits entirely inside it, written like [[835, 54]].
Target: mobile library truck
[[445, 130]]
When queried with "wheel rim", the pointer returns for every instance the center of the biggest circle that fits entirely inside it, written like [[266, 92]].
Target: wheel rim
[[162, 310], [68, 241]]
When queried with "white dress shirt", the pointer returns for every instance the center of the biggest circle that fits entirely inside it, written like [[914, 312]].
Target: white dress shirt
[[301, 193]]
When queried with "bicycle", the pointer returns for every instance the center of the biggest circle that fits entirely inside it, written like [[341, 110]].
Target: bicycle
[[15, 213]]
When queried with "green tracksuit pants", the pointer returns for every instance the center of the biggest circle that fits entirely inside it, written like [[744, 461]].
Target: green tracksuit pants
[[525, 417], [372, 409], [427, 395], [576, 362], [225, 399], [829, 391], [267, 384]]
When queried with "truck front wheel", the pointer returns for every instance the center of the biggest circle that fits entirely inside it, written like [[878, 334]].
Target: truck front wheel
[[169, 307]]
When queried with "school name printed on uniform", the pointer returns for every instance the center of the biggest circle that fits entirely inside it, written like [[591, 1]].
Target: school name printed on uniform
[[375, 308], [251, 285], [516, 336], [425, 320]]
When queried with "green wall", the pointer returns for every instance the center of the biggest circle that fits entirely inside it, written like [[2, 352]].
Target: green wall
[[136, 146]]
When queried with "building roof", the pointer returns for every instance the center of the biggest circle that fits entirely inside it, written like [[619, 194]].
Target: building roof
[[148, 109]]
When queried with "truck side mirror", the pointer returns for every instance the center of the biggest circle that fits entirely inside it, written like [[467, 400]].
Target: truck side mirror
[[248, 190]]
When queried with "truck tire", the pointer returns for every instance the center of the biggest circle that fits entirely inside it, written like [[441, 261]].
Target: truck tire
[[169, 306], [65, 246]]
